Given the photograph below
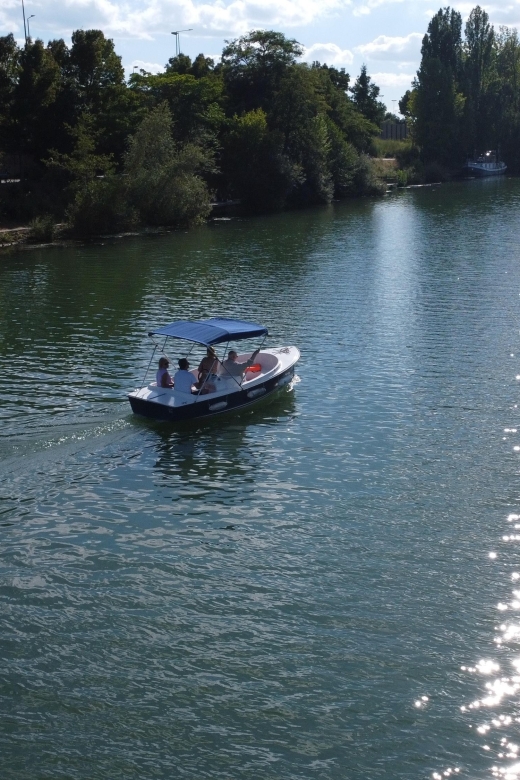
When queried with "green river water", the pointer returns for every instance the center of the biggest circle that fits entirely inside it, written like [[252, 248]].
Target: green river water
[[320, 588]]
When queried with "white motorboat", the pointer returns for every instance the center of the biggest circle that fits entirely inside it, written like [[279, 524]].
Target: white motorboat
[[486, 164], [273, 369]]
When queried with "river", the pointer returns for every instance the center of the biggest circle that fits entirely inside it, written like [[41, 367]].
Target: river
[[324, 587]]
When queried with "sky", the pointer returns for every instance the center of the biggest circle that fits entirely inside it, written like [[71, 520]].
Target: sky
[[385, 35]]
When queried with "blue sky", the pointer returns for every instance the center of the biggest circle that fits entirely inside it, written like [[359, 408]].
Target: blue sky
[[384, 34]]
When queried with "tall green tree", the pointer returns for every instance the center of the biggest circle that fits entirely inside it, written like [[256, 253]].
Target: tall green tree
[[34, 96], [165, 180], [9, 74], [254, 163], [253, 65], [365, 95], [438, 101], [479, 51]]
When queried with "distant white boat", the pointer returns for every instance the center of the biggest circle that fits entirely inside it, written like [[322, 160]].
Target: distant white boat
[[486, 164]]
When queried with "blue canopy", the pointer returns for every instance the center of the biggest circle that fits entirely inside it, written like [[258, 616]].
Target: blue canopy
[[213, 331]]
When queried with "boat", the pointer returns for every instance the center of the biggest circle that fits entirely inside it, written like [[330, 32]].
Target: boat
[[486, 164], [273, 369]]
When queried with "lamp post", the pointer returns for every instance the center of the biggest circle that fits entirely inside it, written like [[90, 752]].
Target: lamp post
[[177, 41], [28, 28], [24, 25]]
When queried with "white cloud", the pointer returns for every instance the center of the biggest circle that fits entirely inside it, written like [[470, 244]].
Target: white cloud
[[147, 18], [393, 80], [328, 53], [149, 67], [367, 6], [401, 49]]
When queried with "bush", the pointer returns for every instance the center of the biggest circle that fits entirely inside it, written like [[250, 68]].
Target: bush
[[407, 156], [170, 197], [101, 207], [402, 177], [165, 185], [366, 181], [41, 230]]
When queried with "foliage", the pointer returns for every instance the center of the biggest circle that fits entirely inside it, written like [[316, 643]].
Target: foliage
[[41, 230], [164, 180], [253, 160], [253, 65], [366, 181], [365, 96], [104, 151], [466, 98], [389, 147], [83, 164], [100, 207]]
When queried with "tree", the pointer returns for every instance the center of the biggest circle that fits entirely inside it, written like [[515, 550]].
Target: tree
[[365, 96], [478, 50], [253, 65], [164, 179], [443, 40], [479, 73], [254, 163], [404, 104], [9, 74], [438, 101], [95, 68], [194, 103], [34, 96]]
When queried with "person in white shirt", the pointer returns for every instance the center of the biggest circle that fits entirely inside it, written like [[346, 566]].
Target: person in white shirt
[[183, 379]]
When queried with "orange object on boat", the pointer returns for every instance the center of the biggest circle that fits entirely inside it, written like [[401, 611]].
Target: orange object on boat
[[255, 368]]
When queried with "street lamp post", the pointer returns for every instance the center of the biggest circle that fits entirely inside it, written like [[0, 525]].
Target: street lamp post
[[24, 25], [28, 28], [177, 40]]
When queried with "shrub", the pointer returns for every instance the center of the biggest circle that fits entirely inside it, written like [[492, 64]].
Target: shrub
[[165, 185], [402, 177], [366, 181], [41, 230], [101, 207]]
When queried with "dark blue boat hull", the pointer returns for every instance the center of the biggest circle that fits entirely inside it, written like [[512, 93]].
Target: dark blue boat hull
[[201, 409]]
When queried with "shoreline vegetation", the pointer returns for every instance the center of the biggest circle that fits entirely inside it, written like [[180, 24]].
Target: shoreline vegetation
[[85, 152]]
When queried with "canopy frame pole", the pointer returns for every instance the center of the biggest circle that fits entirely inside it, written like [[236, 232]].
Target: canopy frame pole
[[149, 364]]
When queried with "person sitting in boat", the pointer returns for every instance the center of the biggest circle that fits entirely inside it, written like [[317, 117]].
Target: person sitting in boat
[[163, 377], [183, 379], [208, 371], [231, 366]]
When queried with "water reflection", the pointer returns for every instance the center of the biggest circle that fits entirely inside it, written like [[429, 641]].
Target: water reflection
[[221, 452]]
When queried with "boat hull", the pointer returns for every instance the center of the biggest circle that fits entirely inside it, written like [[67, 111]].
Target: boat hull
[[158, 404], [485, 169]]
